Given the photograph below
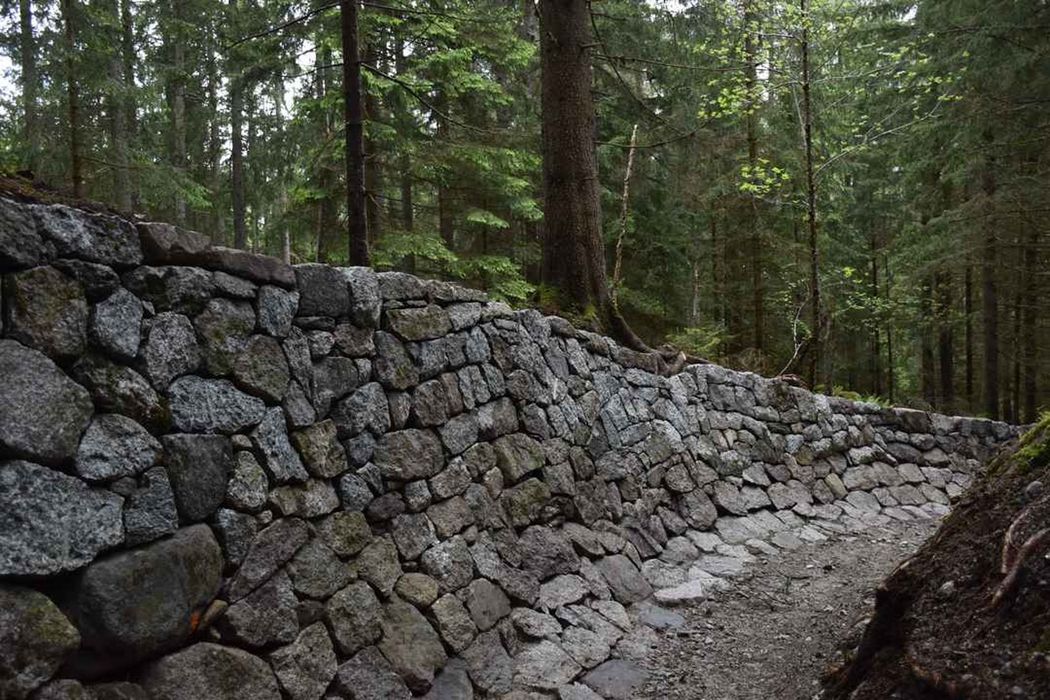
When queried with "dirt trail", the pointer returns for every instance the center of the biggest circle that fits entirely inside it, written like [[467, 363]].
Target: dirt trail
[[772, 634]]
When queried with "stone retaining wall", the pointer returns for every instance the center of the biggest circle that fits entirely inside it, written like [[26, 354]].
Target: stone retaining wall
[[224, 477]]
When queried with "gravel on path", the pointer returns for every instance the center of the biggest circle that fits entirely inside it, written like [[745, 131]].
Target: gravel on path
[[772, 634]]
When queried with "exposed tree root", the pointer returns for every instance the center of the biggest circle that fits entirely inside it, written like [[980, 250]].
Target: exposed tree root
[[1013, 572], [933, 683]]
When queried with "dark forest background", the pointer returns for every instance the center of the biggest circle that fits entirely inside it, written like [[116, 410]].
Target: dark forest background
[[856, 191]]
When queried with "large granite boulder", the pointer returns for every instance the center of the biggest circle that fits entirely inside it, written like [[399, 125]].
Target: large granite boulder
[[134, 604], [210, 671], [51, 522], [98, 238], [35, 638], [42, 411]]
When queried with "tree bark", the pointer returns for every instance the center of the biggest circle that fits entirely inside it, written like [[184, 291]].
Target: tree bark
[[573, 250], [117, 116], [968, 313], [72, 98], [945, 344], [990, 301], [178, 109], [27, 48], [127, 53], [357, 225], [1028, 322], [816, 313], [754, 232]]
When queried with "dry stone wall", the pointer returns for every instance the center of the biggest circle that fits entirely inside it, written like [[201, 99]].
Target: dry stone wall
[[225, 477]]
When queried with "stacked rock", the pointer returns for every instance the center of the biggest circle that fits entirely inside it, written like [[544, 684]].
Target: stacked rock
[[226, 477]]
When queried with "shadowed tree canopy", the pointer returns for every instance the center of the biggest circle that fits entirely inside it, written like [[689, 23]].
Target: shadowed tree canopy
[[854, 192]]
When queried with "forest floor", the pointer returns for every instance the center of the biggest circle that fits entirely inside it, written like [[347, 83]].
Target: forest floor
[[775, 631]]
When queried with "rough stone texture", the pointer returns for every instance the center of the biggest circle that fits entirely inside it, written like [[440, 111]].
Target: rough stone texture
[[305, 667], [409, 454], [270, 439], [307, 500], [248, 485], [212, 405], [35, 638], [464, 458], [488, 664], [116, 324], [149, 510], [411, 645], [114, 446], [20, 243], [544, 665], [116, 388], [261, 368], [276, 309], [42, 412], [198, 467], [320, 449], [453, 622], [265, 617], [224, 328], [93, 237], [369, 676], [270, 550], [450, 563], [170, 350], [130, 605], [353, 616], [182, 289], [323, 291], [47, 310], [50, 522], [207, 670], [624, 579]]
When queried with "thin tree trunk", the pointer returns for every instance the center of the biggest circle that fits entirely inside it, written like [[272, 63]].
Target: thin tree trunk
[[127, 53], [329, 237], [407, 214], [117, 117], [237, 85], [72, 98], [240, 227], [754, 231], [968, 313], [877, 332], [891, 372], [27, 48], [945, 344], [446, 220], [1029, 321], [990, 302], [373, 166], [217, 229], [717, 287], [816, 313], [357, 225], [624, 211], [178, 110]]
